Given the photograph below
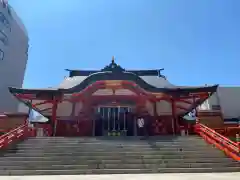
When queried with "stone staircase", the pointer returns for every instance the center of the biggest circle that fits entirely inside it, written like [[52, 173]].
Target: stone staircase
[[113, 155]]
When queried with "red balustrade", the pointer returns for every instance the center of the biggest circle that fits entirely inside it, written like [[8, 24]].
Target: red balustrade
[[19, 133], [230, 148]]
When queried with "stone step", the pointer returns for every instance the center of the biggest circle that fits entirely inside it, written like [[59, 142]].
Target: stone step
[[115, 150], [115, 156], [210, 148], [121, 154], [117, 171], [111, 153], [118, 139], [113, 144], [170, 165], [120, 151], [117, 142], [125, 140], [104, 145], [115, 166], [113, 138], [18, 162]]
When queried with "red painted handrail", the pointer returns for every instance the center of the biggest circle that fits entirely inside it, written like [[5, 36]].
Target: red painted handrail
[[231, 148], [20, 132]]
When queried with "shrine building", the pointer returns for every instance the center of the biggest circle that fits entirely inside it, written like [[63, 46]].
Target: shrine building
[[108, 102]]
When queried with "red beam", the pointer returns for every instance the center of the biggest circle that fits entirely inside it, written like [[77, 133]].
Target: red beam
[[163, 98], [166, 98], [89, 89], [124, 84], [44, 102], [46, 109], [104, 97], [101, 85], [25, 96], [181, 107], [114, 98], [184, 101], [35, 107], [191, 97]]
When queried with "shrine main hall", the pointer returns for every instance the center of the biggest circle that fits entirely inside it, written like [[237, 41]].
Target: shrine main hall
[[107, 102]]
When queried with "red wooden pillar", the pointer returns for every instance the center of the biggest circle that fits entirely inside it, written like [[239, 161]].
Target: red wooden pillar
[[195, 109], [26, 121], [196, 128], [85, 121], [73, 110], [155, 109], [173, 116], [177, 125], [155, 117], [54, 116], [139, 105]]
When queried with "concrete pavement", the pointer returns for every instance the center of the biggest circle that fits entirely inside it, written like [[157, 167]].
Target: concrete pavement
[[188, 176]]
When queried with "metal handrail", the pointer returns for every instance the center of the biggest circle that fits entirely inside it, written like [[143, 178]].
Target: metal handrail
[[10, 132], [220, 138], [20, 132], [231, 148]]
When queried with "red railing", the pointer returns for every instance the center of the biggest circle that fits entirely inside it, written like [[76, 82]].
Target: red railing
[[19, 133], [229, 147]]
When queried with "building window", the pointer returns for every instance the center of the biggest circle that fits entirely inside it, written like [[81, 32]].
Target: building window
[[216, 107], [3, 38], [4, 20], [4, 3], [9, 11], [1, 54]]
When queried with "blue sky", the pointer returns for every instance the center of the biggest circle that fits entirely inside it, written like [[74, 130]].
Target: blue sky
[[197, 42]]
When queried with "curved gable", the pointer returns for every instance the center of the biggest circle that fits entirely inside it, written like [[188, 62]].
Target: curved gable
[[101, 76]]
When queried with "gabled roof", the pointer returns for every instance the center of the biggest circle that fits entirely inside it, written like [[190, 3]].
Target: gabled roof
[[152, 72], [113, 71], [113, 67], [150, 83], [101, 76]]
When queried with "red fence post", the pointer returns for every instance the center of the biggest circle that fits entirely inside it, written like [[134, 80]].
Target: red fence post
[[20, 132], [224, 144], [238, 142]]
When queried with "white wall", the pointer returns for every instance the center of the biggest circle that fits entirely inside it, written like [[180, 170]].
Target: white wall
[[228, 99], [13, 64]]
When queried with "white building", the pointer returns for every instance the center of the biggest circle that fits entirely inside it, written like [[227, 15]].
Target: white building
[[13, 55], [226, 99]]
